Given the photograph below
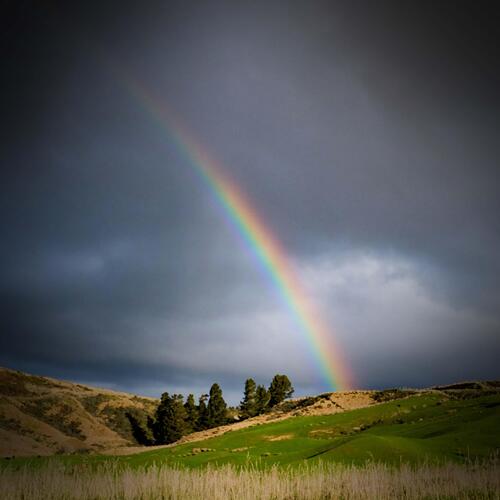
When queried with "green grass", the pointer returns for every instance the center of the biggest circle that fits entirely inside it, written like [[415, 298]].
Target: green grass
[[425, 427]]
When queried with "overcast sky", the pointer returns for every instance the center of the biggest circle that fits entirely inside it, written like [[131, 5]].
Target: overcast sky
[[366, 133]]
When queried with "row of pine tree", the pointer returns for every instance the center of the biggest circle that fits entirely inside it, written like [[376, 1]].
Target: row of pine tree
[[175, 418]]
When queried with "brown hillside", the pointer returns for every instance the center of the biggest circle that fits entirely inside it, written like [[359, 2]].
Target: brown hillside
[[43, 416]]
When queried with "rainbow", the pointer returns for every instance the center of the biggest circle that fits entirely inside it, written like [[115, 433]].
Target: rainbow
[[256, 235]]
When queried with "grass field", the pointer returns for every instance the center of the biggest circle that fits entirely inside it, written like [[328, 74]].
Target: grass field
[[319, 481]]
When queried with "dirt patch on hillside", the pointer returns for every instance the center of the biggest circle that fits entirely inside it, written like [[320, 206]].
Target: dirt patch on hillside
[[322, 432], [338, 402], [283, 437]]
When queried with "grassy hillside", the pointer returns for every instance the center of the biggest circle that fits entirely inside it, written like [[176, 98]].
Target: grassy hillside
[[43, 416], [438, 426]]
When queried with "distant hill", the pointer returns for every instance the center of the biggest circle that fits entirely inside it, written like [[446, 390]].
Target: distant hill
[[44, 416]]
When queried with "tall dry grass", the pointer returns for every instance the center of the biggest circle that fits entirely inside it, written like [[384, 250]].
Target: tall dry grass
[[323, 481]]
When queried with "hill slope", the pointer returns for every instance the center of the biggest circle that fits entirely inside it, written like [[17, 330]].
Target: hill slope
[[43, 416], [436, 425]]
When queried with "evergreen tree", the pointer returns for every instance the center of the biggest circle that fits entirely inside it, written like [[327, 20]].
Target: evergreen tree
[[170, 422], [217, 408], [261, 399], [142, 433], [191, 414], [150, 423], [247, 405], [280, 389], [202, 421]]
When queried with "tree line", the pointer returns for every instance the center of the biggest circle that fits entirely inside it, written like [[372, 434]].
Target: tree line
[[175, 417]]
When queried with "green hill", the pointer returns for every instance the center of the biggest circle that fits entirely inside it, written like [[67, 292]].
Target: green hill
[[447, 423], [432, 426], [436, 426]]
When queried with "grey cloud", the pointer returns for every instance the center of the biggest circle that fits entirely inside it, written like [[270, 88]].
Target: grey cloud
[[363, 131]]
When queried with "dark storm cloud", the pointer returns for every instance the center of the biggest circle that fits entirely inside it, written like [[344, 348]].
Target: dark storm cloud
[[366, 134], [377, 128]]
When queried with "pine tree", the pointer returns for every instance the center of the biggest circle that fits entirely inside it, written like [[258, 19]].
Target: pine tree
[[150, 423], [261, 399], [217, 408], [141, 432], [191, 414], [202, 421], [280, 389], [170, 419], [247, 405]]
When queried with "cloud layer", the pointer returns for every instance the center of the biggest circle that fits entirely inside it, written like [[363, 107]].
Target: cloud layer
[[367, 140]]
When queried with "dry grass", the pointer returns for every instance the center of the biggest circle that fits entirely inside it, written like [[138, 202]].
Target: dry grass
[[323, 481]]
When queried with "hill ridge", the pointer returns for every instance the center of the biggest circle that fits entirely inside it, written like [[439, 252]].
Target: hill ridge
[[42, 415]]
